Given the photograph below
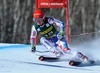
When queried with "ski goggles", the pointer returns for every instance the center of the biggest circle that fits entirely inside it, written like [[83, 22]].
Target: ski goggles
[[38, 20]]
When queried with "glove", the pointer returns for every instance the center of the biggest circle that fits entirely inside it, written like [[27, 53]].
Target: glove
[[33, 49], [60, 34]]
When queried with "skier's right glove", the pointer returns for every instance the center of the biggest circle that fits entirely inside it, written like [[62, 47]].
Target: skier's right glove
[[60, 35], [33, 49]]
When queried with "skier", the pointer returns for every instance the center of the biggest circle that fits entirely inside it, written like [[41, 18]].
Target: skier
[[51, 37]]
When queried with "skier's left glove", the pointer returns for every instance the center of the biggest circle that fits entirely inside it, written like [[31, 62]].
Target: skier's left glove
[[33, 49], [60, 34]]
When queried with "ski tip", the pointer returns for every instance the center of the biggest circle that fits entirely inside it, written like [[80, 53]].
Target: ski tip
[[41, 58], [71, 63]]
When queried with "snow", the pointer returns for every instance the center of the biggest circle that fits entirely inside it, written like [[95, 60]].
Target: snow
[[17, 58]]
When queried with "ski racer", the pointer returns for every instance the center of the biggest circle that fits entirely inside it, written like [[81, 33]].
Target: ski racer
[[51, 37]]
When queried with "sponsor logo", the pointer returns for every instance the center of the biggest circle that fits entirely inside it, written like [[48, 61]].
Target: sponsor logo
[[51, 4]]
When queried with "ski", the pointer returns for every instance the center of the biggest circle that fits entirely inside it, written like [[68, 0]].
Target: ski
[[71, 63], [75, 63], [45, 58]]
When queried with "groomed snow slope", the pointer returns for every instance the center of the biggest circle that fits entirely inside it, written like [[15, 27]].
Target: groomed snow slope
[[17, 58]]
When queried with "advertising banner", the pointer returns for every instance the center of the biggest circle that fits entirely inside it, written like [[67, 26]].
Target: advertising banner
[[51, 3]]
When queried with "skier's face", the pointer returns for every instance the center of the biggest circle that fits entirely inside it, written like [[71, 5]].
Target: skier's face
[[39, 21]]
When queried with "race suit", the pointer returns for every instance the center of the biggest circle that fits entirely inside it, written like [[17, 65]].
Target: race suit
[[48, 32]]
